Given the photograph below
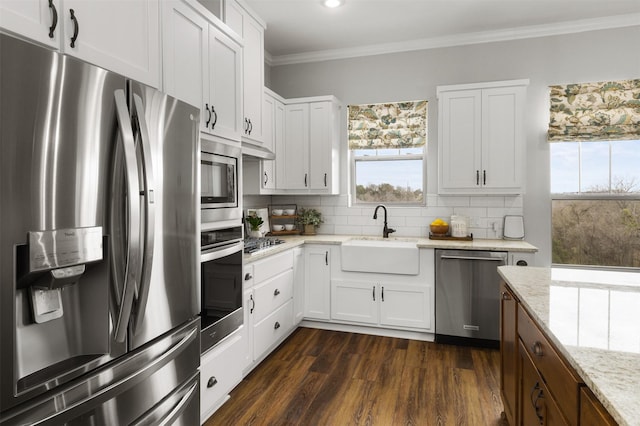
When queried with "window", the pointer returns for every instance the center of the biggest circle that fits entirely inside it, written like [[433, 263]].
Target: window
[[595, 174], [387, 152]]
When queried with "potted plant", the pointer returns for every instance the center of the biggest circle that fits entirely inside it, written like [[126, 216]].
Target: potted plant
[[254, 222], [310, 218]]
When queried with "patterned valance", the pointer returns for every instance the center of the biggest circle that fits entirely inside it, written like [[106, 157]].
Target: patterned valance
[[608, 110], [391, 125]]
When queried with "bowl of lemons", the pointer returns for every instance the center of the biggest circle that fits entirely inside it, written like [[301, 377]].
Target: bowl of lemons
[[439, 228]]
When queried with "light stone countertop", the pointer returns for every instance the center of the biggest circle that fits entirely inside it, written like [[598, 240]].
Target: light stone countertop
[[593, 318], [477, 244]]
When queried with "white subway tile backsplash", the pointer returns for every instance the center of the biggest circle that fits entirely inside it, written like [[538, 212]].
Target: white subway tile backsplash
[[486, 213]]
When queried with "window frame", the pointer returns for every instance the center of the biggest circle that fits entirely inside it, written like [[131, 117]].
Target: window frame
[[590, 196], [353, 159]]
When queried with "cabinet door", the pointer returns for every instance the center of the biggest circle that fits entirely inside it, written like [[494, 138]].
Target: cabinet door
[[317, 289], [508, 352], [225, 85], [592, 412], [354, 301], [121, 36], [405, 306], [502, 138], [293, 172], [320, 145], [460, 124], [253, 72], [185, 53], [38, 20]]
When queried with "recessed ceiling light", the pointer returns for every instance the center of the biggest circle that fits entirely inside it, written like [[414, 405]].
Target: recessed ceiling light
[[333, 3]]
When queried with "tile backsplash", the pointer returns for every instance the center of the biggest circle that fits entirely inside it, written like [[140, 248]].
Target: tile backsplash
[[486, 213]]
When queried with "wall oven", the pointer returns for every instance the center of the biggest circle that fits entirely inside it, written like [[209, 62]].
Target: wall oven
[[220, 193], [221, 284]]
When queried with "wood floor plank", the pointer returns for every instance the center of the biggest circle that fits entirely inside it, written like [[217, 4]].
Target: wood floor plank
[[320, 377]]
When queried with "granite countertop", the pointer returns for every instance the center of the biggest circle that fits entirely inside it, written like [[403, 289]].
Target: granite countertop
[[477, 244], [593, 318]]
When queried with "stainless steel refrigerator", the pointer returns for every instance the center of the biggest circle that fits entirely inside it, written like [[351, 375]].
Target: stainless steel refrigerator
[[99, 291]]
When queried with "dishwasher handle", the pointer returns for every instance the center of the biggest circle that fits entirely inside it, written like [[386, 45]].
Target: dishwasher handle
[[497, 259]]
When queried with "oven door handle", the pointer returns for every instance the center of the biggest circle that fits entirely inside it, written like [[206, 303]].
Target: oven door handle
[[221, 252]]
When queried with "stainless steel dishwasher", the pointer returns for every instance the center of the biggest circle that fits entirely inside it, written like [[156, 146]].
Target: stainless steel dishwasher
[[467, 296]]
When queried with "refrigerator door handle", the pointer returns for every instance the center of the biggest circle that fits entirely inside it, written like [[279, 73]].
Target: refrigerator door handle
[[132, 263], [167, 412], [148, 219]]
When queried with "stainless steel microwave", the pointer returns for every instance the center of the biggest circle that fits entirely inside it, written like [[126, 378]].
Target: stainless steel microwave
[[219, 180]]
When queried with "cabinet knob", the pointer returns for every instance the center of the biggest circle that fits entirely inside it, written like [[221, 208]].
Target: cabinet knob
[[276, 292], [506, 296], [247, 276], [276, 325], [537, 349], [212, 382]]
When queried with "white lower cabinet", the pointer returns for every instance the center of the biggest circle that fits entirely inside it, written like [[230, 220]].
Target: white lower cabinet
[[221, 370], [268, 296], [317, 281], [298, 285], [384, 304]]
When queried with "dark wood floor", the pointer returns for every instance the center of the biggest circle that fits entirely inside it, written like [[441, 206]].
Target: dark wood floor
[[320, 377]]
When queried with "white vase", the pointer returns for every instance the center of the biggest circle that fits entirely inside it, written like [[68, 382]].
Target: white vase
[[255, 234]]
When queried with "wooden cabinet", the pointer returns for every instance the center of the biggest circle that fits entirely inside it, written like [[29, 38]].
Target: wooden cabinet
[[308, 156], [317, 282], [123, 37], [508, 352], [537, 385], [251, 28], [592, 413], [481, 144], [220, 371], [539, 407], [203, 66]]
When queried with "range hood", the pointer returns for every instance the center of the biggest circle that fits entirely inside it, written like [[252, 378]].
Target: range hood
[[250, 150]]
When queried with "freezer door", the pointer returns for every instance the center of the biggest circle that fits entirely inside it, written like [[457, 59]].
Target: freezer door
[[166, 132], [158, 384]]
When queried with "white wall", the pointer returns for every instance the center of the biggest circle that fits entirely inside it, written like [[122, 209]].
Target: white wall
[[582, 57]]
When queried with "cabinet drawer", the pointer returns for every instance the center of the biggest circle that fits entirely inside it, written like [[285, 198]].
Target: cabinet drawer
[[220, 371], [562, 382], [272, 329], [272, 294], [273, 265], [537, 405]]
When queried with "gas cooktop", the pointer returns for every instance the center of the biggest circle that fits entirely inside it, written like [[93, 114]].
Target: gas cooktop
[[254, 245]]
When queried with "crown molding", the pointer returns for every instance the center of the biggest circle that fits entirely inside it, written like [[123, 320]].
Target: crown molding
[[532, 31]]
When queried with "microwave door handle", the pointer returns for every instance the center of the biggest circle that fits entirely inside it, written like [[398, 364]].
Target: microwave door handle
[[147, 223], [221, 252], [132, 263]]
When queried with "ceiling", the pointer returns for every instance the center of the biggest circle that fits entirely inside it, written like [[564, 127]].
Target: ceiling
[[305, 30]]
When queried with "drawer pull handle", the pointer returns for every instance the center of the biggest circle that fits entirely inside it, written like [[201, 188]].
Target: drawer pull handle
[[276, 325], [534, 402], [276, 292], [247, 276], [253, 304], [506, 296], [537, 349], [212, 382]]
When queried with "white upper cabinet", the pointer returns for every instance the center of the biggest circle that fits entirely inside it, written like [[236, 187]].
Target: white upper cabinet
[[307, 159], [202, 66], [481, 142], [122, 36], [239, 17], [38, 20]]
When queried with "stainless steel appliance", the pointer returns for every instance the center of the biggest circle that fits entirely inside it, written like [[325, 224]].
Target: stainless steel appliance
[[221, 283], [99, 286], [467, 296], [220, 190]]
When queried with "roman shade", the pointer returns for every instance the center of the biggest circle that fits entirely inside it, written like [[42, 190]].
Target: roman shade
[[608, 110], [388, 125]]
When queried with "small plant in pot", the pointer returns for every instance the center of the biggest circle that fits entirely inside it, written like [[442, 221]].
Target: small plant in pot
[[310, 218], [254, 222]]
